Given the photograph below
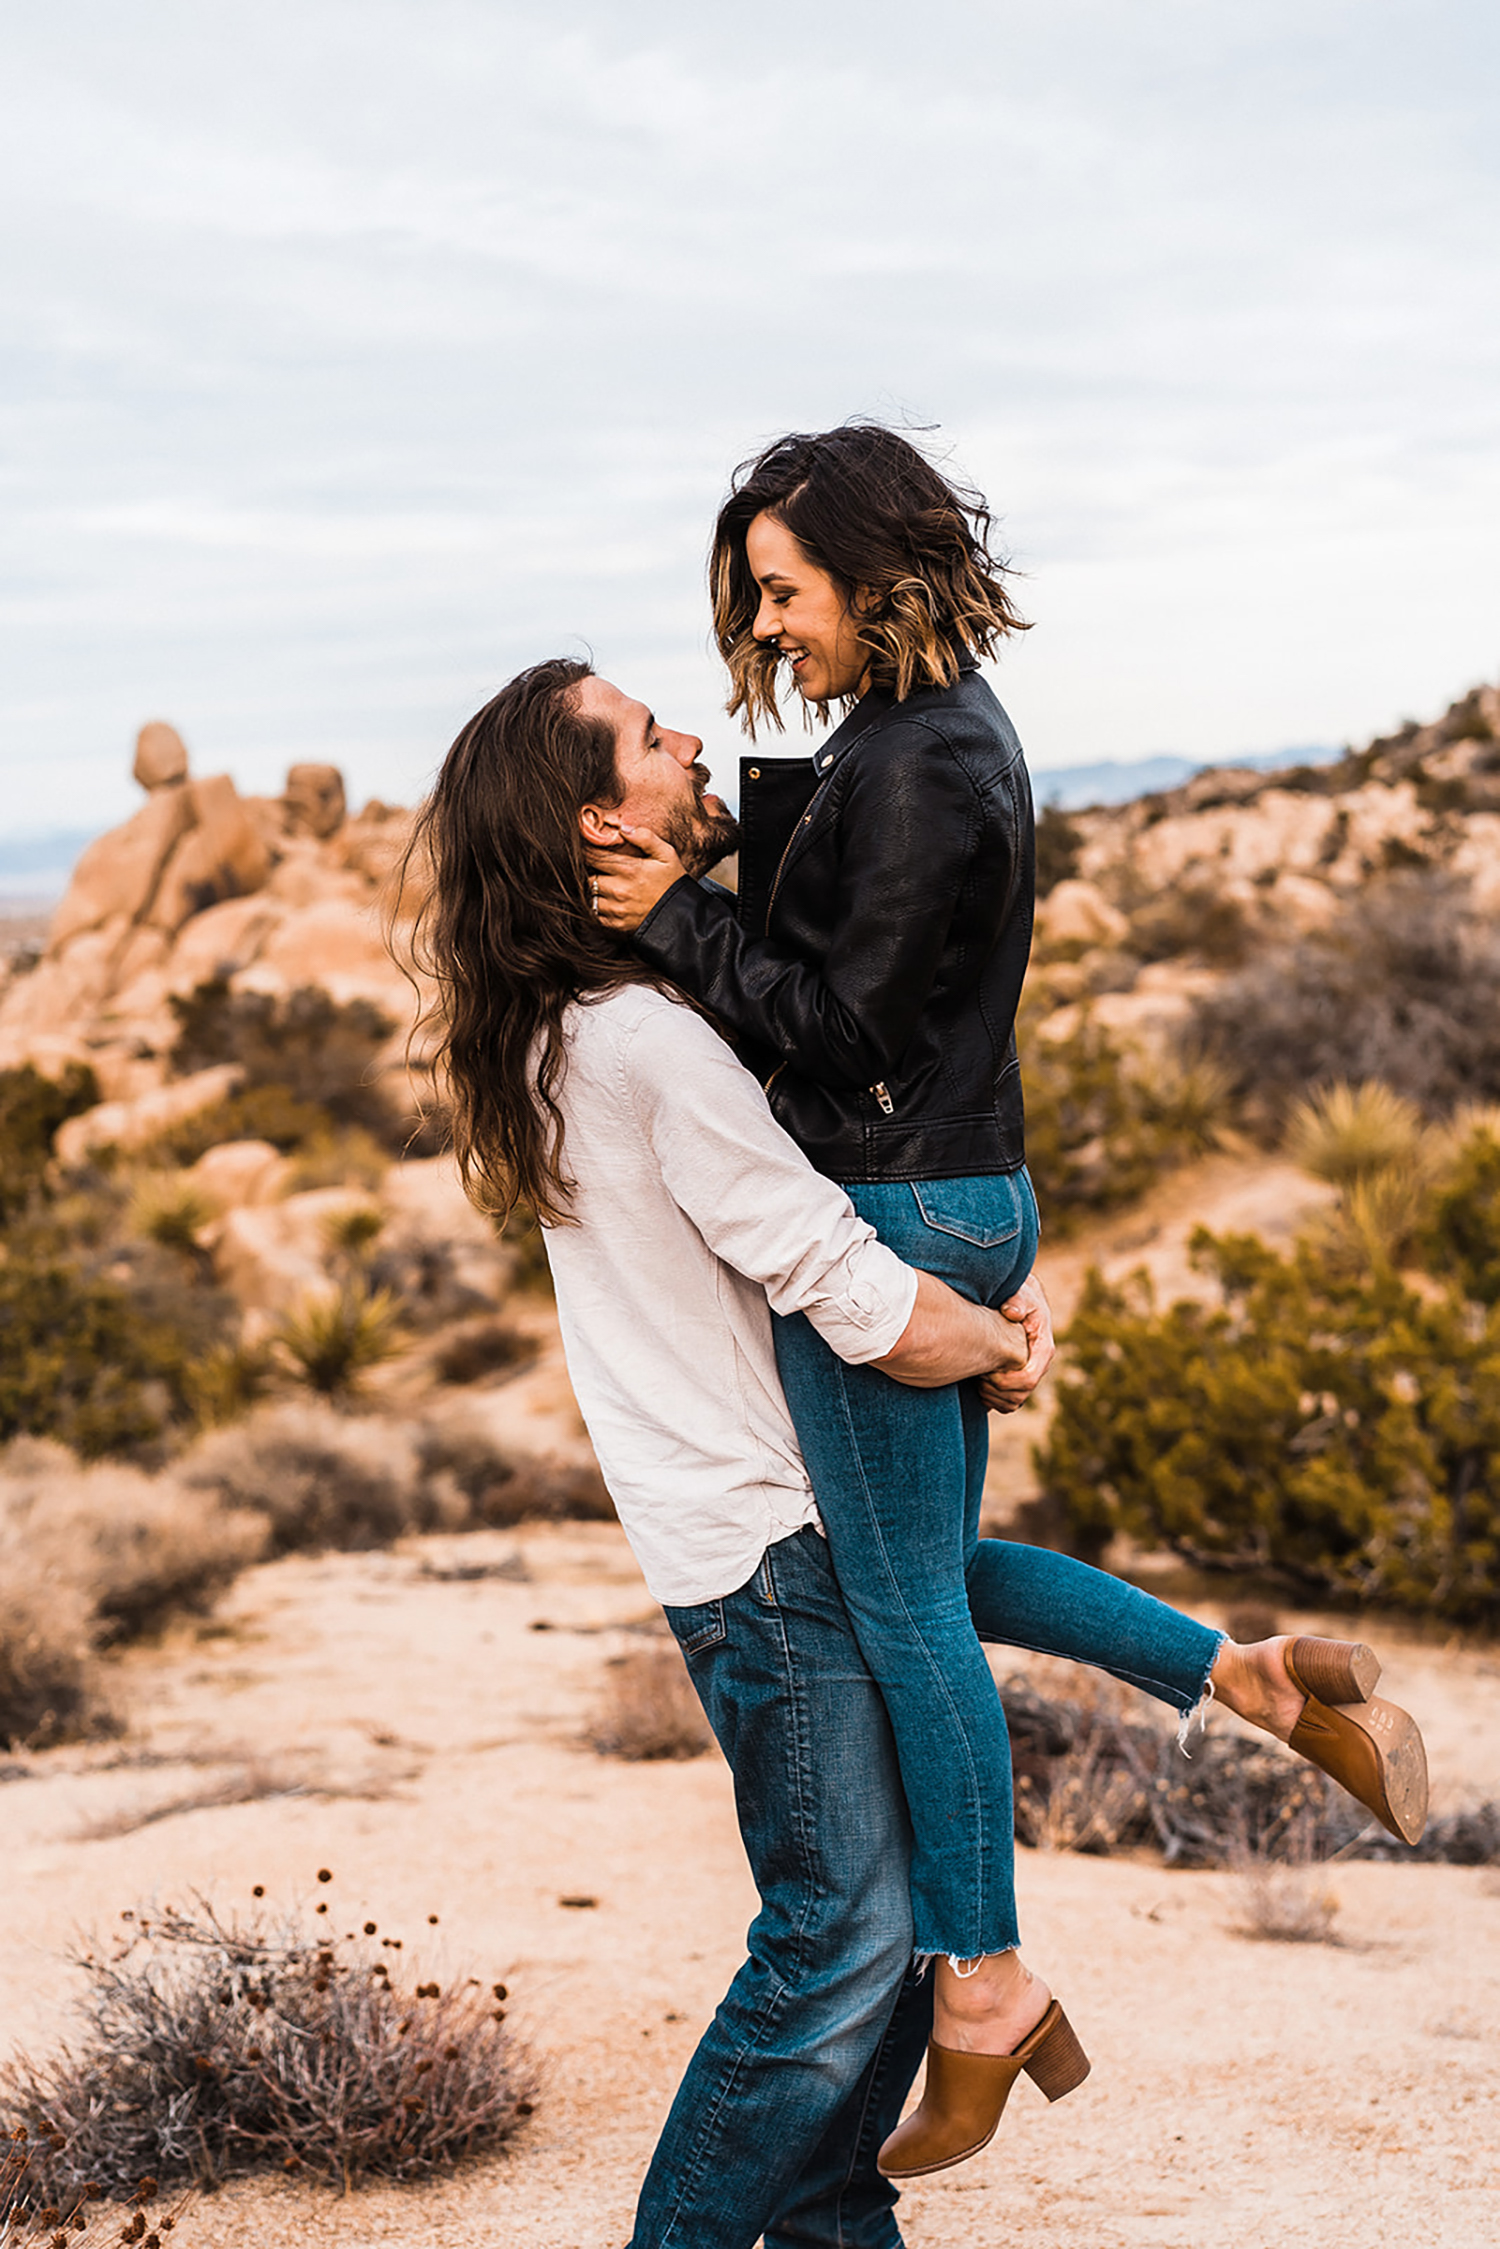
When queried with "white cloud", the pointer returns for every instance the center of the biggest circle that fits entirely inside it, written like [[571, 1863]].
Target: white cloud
[[360, 350]]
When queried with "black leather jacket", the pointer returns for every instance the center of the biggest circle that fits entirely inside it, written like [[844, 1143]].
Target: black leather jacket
[[871, 966]]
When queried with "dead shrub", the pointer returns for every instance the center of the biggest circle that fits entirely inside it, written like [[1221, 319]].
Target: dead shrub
[[649, 1710], [83, 2220], [484, 1348], [324, 1482], [1192, 920], [215, 2048], [1403, 986], [136, 1549], [49, 1689], [1090, 1778], [502, 1490], [1284, 1905]]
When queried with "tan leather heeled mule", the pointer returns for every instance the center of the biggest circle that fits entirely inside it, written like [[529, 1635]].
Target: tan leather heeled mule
[[964, 2096], [1372, 1748]]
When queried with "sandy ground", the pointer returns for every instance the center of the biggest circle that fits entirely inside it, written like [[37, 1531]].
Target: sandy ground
[[1243, 2092]]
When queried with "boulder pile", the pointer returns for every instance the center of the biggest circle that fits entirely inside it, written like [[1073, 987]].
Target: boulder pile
[[267, 893]]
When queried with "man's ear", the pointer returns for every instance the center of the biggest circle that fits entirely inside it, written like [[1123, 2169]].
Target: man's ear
[[599, 826]]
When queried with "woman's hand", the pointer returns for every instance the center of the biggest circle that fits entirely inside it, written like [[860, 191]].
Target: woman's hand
[[1010, 1387], [624, 887]]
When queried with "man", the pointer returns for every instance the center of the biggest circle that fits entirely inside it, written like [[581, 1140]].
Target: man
[[677, 1215]]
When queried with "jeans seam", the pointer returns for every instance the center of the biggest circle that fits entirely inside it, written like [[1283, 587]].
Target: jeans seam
[[934, 1669]]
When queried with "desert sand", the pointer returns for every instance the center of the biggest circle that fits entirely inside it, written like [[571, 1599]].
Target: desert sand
[[1242, 2091]]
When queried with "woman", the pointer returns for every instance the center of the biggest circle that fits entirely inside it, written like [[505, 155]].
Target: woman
[[870, 971]]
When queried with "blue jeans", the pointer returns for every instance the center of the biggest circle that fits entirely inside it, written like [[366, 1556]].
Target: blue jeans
[[804, 2069], [898, 1473]]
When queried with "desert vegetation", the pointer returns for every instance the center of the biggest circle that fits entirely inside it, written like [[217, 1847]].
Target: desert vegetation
[[1330, 1417], [219, 2044]]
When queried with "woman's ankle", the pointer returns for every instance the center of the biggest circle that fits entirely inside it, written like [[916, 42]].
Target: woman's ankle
[[987, 2006], [1252, 1680]]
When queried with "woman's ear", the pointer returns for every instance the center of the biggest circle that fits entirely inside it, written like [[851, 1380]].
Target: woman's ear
[[865, 602]]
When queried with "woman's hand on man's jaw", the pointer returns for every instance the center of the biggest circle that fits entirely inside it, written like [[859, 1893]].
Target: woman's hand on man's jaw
[[627, 883], [1009, 1387]]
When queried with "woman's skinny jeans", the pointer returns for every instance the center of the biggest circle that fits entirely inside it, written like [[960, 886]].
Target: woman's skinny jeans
[[898, 1474]]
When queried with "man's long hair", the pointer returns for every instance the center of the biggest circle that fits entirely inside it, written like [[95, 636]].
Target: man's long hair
[[873, 512], [506, 932]]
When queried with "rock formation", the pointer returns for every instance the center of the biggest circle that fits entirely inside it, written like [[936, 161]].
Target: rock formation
[[161, 759], [269, 892]]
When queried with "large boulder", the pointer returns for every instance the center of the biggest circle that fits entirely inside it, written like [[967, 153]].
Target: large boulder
[[1078, 913], [275, 1255], [161, 759], [223, 855], [132, 1124], [116, 877], [241, 1174], [314, 800]]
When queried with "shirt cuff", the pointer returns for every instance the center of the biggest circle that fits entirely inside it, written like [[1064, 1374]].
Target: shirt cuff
[[867, 1315]]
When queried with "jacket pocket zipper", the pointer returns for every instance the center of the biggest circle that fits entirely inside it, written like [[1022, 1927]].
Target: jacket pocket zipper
[[887, 1105]]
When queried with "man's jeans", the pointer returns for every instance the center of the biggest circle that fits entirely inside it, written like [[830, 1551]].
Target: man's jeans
[[899, 1473], [804, 2069]]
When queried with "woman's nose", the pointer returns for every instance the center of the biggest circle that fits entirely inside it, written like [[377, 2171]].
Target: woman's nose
[[767, 625]]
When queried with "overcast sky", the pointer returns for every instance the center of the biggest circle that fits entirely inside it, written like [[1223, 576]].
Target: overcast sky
[[357, 352]]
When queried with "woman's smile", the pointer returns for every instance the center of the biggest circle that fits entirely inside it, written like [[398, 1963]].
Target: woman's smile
[[804, 614]]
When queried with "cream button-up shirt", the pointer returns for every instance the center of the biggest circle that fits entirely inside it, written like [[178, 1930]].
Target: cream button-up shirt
[[693, 1217]]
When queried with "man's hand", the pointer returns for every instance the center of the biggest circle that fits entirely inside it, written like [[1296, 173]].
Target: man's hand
[[625, 887], [1009, 1387]]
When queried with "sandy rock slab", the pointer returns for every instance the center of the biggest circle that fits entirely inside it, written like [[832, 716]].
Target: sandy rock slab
[[1242, 2092]]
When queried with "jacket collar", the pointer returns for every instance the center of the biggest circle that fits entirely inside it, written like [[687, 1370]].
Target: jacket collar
[[867, 714]]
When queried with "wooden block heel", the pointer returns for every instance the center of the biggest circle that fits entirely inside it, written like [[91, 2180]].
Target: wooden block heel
[[1334, 1670], [1372, 1748], [964, 2096], [1052, 2057]]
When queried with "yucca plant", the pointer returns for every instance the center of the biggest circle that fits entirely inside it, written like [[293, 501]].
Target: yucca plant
[[332, 1340], [171, 1211], [1348, 1134]]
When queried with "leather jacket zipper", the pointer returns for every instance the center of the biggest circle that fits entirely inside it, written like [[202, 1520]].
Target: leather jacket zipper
[[887, 1105]]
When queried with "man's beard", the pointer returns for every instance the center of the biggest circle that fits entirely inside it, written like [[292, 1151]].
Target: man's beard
[[700, 838]]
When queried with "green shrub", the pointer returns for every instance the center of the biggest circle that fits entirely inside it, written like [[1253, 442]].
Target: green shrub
[[31, 1109], [321, 1050], [1322, 1421], [259, 1112], [1099, 1130], [81, 1359], [1059, 845], [1462, 1234]]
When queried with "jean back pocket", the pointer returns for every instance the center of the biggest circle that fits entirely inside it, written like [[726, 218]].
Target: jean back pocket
[[985, 1211]]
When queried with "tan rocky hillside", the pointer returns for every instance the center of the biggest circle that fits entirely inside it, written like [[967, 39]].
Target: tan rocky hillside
[[1173, 886], [268, 892]]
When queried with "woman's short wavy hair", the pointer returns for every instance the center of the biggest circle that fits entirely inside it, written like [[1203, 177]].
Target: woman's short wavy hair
[[866, 506]]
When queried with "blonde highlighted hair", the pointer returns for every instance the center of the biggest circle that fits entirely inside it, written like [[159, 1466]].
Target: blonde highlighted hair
[[871, 510]]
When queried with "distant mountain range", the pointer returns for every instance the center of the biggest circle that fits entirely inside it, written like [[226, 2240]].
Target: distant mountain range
[[1112, 781], [37, 868]]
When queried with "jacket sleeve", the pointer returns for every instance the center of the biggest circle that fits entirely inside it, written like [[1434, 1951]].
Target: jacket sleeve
[[909, 823]]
